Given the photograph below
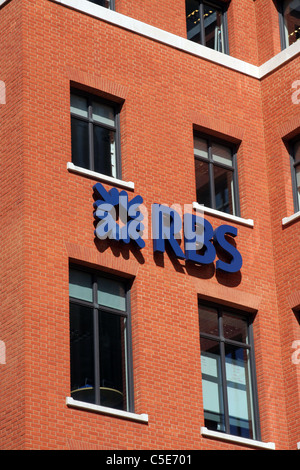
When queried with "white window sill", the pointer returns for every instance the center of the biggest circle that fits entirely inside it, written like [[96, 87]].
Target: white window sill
[[99, 176], [291, 218], [237, 440], [142, 418], [223, 215]]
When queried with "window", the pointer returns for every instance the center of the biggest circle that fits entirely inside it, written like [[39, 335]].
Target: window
[[216, 174], [295, 166], [289, 11], [105, 3], [206, 24], [100, 340], [228, 377], [95, 134]]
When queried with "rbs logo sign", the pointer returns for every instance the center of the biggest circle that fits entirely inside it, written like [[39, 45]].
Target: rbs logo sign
[[119, 219], [200, 240]]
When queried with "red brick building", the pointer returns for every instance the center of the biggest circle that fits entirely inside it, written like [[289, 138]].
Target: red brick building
[[108, 344]]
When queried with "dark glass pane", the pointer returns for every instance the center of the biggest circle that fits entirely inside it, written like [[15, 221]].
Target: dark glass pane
[[80, 285], [102, 3], [200, 147], [79, 105], [213, 28], [239, 391], [80, 143], [193, 20], [208, 320], [296, 153], [104, 151], [112, 360], [103, 113], [235, 328], [291, 13], [82, 353], [224, 190], [202, 183], [221, 154], [298, 183], [212, 385]]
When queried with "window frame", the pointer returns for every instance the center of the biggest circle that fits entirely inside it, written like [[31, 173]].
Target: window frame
[[90, 97], [281, 24], [283, 42], [210, 140], [223, 7], [294, 164], [221, 309], [96, 307]]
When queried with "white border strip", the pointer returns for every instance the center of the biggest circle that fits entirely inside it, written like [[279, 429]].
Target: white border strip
[[287, 220], [2, 2], [180, 43], [238, 440], [298, 445], [223, 215], [142, 418], [99, 176]]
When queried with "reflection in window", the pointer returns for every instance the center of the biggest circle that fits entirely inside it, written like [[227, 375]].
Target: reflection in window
[[227, 372], [206, 24]]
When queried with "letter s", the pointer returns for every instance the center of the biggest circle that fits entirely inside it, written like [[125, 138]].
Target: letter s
[[219, 237]]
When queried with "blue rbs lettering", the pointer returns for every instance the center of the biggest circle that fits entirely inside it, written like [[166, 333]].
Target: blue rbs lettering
[[119, 219], [201, 242]]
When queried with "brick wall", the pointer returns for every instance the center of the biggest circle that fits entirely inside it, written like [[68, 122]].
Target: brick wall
[[12, 237], [281, 123], [165, 94]]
